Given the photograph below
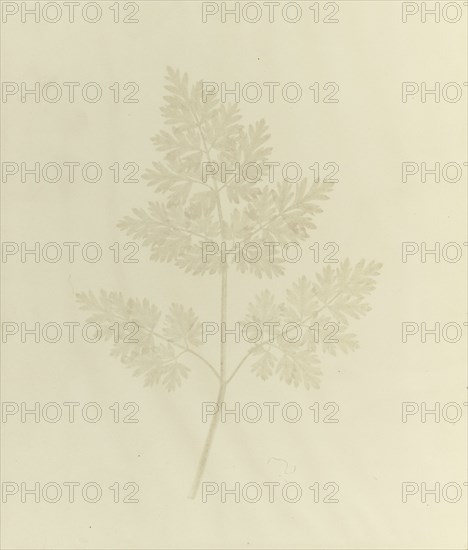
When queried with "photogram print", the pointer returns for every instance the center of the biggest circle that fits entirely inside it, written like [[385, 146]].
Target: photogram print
[[193, 210]]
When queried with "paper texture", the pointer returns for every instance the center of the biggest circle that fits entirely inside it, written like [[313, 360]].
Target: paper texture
[[234, 275]]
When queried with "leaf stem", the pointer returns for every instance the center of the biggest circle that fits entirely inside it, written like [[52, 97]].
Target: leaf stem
[[208, 443], [180, 346], [247, 355], [187, 350], [222, 353]]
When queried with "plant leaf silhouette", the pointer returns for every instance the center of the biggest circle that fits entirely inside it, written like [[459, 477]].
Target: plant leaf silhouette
[[336, 296], [207, 195], [154, 355]]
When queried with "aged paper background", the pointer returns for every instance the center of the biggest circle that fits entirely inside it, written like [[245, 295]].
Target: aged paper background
[[370, 453]]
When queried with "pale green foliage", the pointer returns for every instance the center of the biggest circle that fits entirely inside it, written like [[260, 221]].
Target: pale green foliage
[[211, 131], [143, 351], [194, 210], [331, 301]]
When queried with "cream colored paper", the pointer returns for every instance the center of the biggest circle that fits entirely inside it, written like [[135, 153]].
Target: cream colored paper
[[376, 469]]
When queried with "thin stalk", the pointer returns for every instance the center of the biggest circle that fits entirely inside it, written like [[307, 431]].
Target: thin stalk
[[208, 442], [222, 356], [220, 399]]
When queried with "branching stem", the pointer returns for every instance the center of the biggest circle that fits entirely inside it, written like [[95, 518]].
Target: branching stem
[[223, 350]]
